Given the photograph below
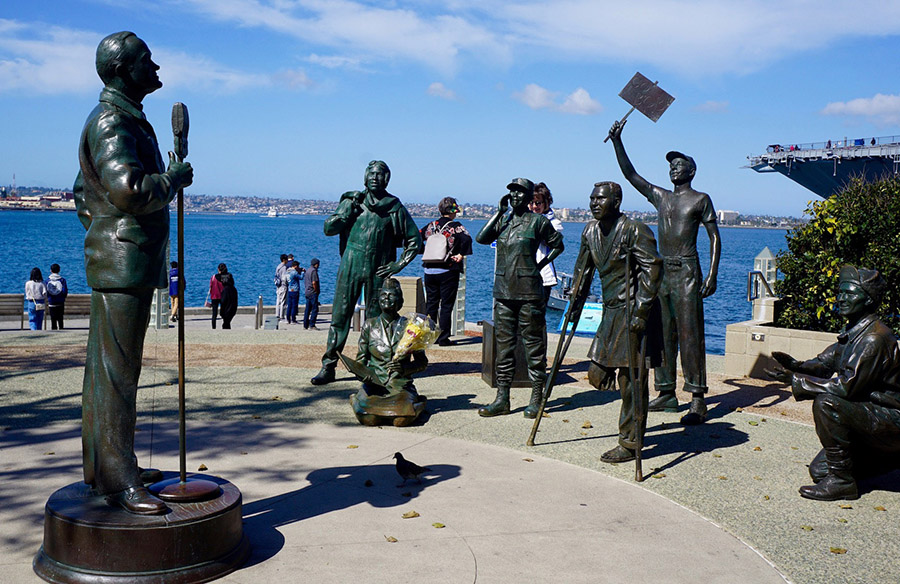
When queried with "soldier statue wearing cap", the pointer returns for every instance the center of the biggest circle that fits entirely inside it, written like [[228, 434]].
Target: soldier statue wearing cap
[[518, 291], [855, 385], [681, 212]]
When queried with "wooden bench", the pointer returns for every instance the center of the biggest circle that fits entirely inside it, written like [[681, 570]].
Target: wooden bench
[[76, 305], [12, 305]]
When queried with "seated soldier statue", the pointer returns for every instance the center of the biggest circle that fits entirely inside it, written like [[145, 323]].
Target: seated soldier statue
[[855, 385], [387, 395]]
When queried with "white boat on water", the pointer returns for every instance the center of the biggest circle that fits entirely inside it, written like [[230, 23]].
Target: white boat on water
[[273, 212]]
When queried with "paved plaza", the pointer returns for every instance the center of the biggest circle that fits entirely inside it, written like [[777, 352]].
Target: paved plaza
[[322, 502]]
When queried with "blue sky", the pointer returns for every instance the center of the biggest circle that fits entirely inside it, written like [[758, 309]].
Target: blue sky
[[292, 98]]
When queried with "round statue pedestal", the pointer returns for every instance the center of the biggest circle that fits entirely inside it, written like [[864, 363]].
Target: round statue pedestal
[[86, 540]]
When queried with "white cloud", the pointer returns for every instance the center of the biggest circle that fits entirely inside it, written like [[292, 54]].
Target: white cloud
[[38, 59], [578, 102], [714, 107], [334, 61], [882, 110], [438, 89], [401, 31]]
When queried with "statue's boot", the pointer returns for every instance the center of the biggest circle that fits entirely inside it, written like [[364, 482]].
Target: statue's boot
[[498, 407], [617, 454], [139, 501], [697, 413], [838, 483], [325, 375], [818, 468], [534, 405], [664, 402]]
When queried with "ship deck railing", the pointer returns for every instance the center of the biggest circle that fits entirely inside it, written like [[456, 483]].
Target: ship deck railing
[[884, 147]]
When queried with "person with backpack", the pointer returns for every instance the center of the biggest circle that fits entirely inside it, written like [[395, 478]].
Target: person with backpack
[[57, 290], [446, 242]]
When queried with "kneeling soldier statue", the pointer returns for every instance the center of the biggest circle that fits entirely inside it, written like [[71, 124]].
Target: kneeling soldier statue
[[855, 385]]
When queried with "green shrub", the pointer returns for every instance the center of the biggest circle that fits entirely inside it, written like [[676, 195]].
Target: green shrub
[[858, 226]]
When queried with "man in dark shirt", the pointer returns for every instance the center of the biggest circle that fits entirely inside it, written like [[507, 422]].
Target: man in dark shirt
[[311, 312], [855, 385], [681, 212]]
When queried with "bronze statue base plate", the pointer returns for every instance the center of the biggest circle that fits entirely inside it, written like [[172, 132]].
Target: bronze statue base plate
[[86, 540]]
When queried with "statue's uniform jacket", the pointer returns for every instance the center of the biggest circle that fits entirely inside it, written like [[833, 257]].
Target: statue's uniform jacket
[[607, 254], [377, 344], [370, 234], [865, 359], [122, 194], [518, 289]]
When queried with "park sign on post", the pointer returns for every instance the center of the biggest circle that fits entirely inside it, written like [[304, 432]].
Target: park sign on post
[[646, 97]]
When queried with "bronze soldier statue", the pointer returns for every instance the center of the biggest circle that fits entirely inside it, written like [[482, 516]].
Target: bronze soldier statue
[[623, 253], [518, 292], [371, 224], [855, 388], [122, 195], [681, 212]]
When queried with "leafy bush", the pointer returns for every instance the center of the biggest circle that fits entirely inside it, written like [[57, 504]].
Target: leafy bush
[[858, 226]]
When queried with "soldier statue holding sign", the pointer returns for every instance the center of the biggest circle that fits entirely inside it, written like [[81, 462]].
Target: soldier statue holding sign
[[122, 195], [681, 213], [855, 388]]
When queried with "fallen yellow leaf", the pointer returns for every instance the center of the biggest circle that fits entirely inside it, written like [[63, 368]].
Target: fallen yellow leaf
[[545, 415], [806, 527], [842, 520], [587, 425], [49, 453], [438, 525], [837, 550], [390, 538], [351, 446], [528, 459], [879, 508], [202, 467], [753, 423], [757, 449], [846, 506], [722, 478], [766, 497], [410, 515], [659, 475], [739, 409], [276, 398], [716, 455], [565, 421], [757, 478]]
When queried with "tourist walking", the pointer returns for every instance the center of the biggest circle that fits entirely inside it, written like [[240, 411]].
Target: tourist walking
[[174, 275], [36, 295], [57, 290], [280, 288], [215, 294], [540, 204], [292, 278], [446, 244], [311, 312], [229, 296]]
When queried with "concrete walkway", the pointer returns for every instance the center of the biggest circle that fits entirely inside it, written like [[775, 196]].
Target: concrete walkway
[[321, 497]]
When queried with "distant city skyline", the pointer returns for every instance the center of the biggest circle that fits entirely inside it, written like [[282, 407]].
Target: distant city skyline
[[293, 98]]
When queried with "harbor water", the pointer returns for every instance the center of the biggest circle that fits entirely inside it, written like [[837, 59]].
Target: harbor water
[[251, 244]]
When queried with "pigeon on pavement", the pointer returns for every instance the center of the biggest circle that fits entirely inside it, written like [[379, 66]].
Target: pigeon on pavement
[[409, 470]]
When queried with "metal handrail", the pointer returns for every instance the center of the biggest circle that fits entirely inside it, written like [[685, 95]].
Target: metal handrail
[[751, 290]]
